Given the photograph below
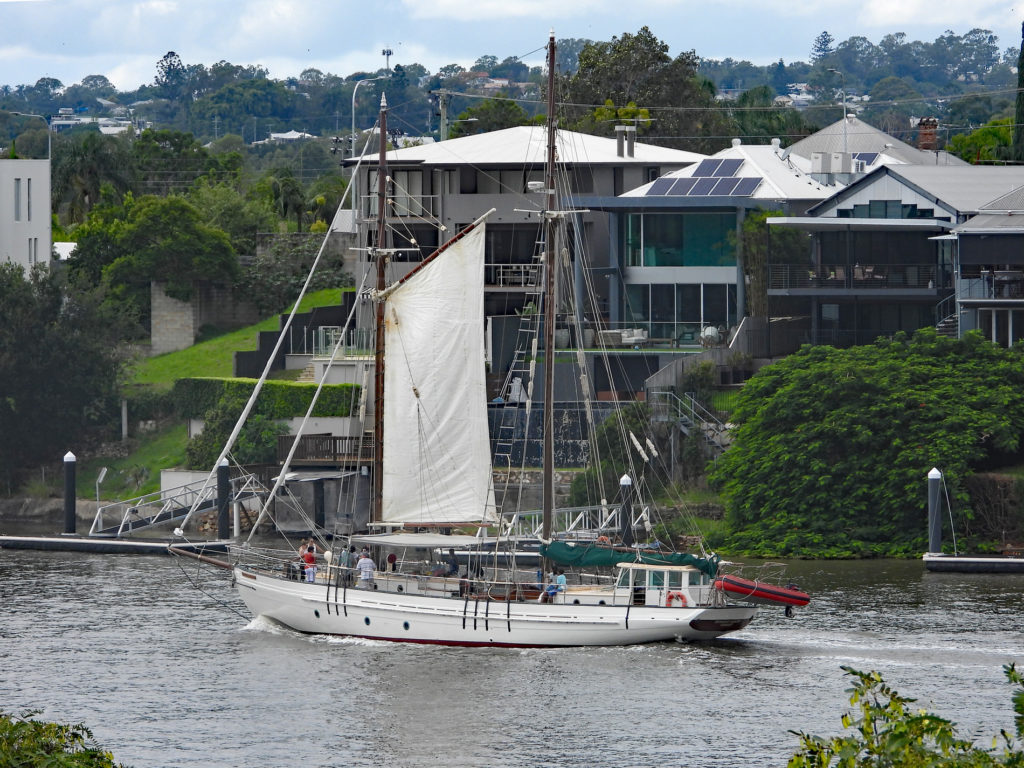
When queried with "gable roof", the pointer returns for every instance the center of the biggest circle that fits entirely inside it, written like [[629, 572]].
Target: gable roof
[[527, 145], [964, 189], [858, 136]]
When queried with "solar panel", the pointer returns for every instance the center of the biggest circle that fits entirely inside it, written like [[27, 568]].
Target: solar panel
[[866, 157], [702, 187], [682, 186], [660, 186], [707, 168], [725, 186], [728, 167], [747, 186]]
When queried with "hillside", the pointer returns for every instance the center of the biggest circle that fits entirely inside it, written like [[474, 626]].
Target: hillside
[[134, 469]]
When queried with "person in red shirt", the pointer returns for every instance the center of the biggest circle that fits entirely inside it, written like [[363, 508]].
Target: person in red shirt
[[309, 558]]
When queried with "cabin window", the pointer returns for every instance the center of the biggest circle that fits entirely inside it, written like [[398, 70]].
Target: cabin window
[[675, 579], [694, 578], [656, 578]]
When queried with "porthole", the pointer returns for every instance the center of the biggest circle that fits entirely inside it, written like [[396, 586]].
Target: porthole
[[601, 602], [316, 613], [405, 626], [366, 621], [401, 588], [576, 601]]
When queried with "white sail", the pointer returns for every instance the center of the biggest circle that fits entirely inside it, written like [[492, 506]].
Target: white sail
[[437, 458]]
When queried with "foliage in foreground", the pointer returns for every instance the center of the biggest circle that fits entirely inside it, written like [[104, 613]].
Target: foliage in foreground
[[833, 446], [886, 731], [28, 742]]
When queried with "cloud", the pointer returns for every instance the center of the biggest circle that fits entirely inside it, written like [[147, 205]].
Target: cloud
[[985, 14], [478, 10]]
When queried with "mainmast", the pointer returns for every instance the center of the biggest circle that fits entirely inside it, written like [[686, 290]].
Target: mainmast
[[380, 254], [550, 265]]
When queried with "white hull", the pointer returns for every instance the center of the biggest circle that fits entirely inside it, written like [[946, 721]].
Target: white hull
[[450, 620]]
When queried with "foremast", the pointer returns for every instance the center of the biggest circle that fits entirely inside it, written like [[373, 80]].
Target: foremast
[[550, 263], [380, 254]]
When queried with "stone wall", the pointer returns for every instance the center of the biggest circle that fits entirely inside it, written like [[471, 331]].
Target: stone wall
[[176, 324]]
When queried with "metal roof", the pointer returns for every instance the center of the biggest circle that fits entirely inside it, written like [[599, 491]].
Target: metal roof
[[780, 178], [858, 136], [527, 145]]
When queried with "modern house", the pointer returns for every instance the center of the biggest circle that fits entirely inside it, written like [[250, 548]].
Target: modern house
[[25, 232], [675, 264], [989, 251], [439, 188], [883, 257]]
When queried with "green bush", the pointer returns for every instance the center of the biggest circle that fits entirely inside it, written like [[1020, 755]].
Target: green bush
[[27, 742], [194, 397]]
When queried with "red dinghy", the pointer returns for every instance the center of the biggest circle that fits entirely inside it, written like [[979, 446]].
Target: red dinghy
[[760, 592]]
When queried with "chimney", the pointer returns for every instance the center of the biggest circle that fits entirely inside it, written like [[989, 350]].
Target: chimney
[[926, 133], [625, 140]]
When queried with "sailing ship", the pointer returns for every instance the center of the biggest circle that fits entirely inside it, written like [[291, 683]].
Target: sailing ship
[[432, 475]]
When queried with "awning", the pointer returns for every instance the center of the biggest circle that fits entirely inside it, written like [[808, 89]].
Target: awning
[[831, 223]]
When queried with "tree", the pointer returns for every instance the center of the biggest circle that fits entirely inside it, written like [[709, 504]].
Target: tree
[[485, 64], [489, 115], [761, 246], [637, 68], [887, 731], [567, 54], [832, 446], [170, 75], [990, 143], [83, 164], [822, 47], [166, 240], [223, 207], [60, 365], [1018, 123], [28, 742]]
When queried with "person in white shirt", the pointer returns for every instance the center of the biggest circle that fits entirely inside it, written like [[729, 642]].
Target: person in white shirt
[[366, 567]]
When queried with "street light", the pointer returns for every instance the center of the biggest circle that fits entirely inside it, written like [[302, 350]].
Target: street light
[[48, 132], [846, 147], [352, 197]]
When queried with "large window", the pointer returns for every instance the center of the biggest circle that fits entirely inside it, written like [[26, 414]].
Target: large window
[[679, 239], [679, 312]]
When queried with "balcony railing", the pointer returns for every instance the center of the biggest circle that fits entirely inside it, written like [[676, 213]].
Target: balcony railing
[[402, 206], [326, 449], [511, 275], [856, 277], [998, 284]]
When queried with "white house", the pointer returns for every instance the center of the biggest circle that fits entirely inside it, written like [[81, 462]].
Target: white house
[[25, 212]]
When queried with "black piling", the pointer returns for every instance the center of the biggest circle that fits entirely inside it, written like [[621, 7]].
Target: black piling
[[69, 492]]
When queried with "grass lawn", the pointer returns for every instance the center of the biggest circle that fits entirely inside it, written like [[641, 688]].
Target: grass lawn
[[139, 472], [215, 357]]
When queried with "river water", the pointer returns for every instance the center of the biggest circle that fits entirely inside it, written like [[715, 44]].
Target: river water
[[170, 675]]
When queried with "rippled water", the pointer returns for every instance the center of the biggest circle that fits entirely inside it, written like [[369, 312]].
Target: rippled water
[[167, 675]]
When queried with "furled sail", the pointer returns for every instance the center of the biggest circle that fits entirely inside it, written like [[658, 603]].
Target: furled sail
[[437, 458]]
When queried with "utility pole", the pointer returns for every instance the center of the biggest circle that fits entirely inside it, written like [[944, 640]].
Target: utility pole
[[443, 98]]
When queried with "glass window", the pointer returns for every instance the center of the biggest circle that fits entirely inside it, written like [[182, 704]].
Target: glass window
[[663, 311], [688, 303], [706, 240], [487, 183], [511, 182], [632, 232], [28, 199], [17, 199], [657, 578], [638, 303], [675, 579], [663, 240], [715, 307]]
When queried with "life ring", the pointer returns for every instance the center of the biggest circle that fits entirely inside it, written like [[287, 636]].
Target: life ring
[[673, 596]]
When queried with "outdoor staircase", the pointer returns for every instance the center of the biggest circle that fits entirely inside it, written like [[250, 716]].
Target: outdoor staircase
[[308, 374], [949, 327], [692, 418]]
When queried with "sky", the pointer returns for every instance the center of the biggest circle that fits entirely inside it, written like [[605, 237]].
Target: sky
[[124, 39]]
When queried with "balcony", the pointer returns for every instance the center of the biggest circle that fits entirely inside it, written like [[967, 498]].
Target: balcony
[[993, 286], [330, 450], [790, 279], [402, 206], [514, 277]]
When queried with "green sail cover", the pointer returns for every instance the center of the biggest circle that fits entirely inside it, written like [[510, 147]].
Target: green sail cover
[[594, 555]]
